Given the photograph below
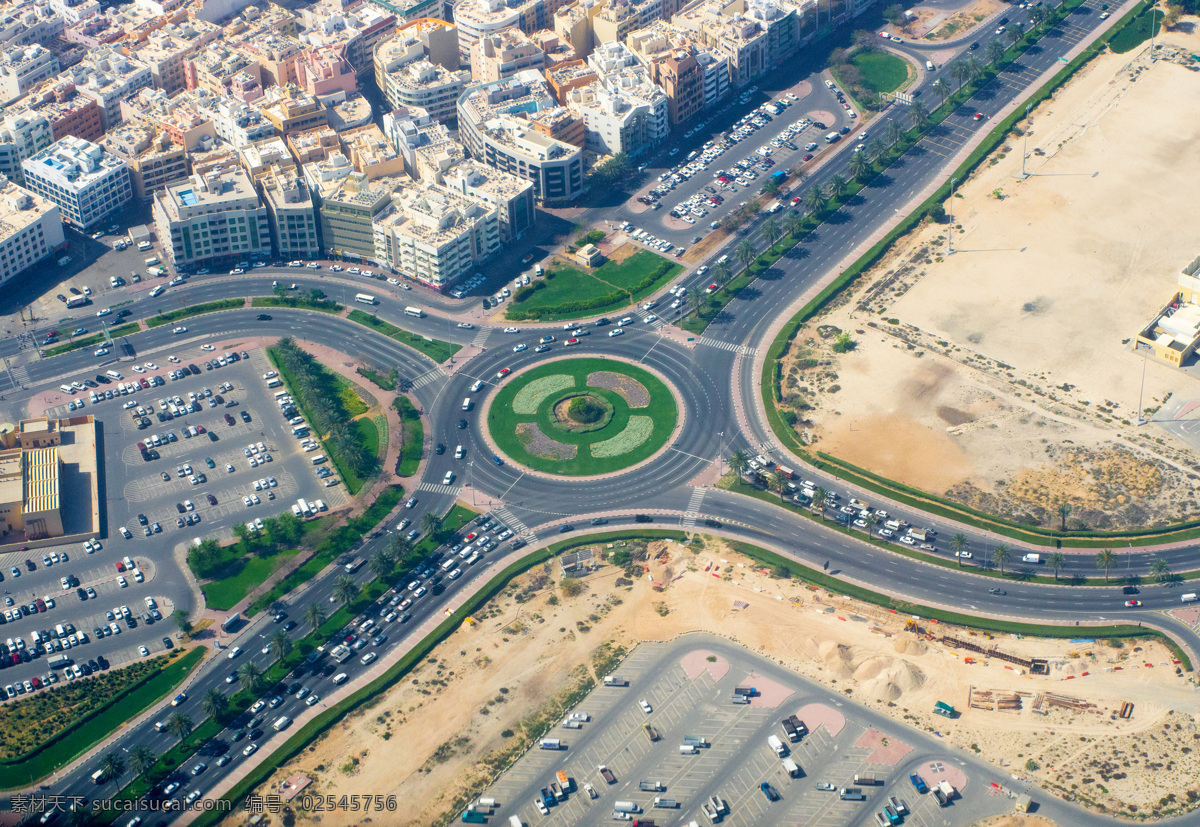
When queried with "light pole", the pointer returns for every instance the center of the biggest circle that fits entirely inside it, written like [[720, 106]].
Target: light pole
[[1025, 145], [1141, 390], [1153, 11], [950, 227]]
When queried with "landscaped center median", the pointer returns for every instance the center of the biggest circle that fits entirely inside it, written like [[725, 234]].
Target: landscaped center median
[[579, 417]]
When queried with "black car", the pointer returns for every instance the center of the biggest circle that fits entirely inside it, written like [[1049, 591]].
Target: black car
[[100, 659], [564, 529], [179, 507], [440, 449], [1000, 592], [167, 643], [102, 379], [975, 45], [291, 624], [279, 617], [195, 370], [263, 317], [239, 735], [245, 416], [81, 594], [642, 518], [1130, 590], [61, 297], [462, 424]]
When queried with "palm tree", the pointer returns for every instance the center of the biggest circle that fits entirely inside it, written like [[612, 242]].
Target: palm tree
[[398, 548], [876, 149], [1064, 511], [181, 620], [918, 115], [738, 462], [345, 589], [819, 496], [959, 543], [815, 200], [837, 185], [893, 132], [381, 562], [995, 52], [431, 523], [941, 86], [859, 165], [113, 766], [778, 483], [179, 725], [1056, 560], [721, 273], [141, 758], [314, 615], [215, 703], [281, 644], [975, 65], [744, 253], [252, 677], [792, 224], [1000, 556], [1161, 569], [960, 71], [1104, 559], [1015, 32], [696, 298], [771, 231]]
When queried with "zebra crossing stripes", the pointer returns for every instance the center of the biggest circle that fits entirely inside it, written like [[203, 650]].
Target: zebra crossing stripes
[[20, 376], [740, 350], [429, 377], [511, 520], [693, 509], [481, 337], [438, 488]]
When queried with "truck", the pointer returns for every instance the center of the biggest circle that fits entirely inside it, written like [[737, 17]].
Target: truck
[[793, 769], [790, 730], [651, 732], [59, 662], [801, 729], [939, 797], [921, 535], [606, 774], [563, 781], [774, 743], [740, 699], [866, 779], [785, 471], [769, 791], [748, 691], [665, 803], [515, 821], [550, 743], [615, 680], [688, 749], [944, 709], [651, 787], [557, 791], [1032, 558], [696, 741], [851, 794], [891, 815], [341, 653], [470, 816], [626, 807], [947, 789]]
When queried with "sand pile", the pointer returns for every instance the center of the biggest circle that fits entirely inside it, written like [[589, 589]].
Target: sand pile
[[836, 657], [907, 646], [893, 680]]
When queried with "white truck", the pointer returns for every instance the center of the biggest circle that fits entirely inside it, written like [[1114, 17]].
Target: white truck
[[777, 745]]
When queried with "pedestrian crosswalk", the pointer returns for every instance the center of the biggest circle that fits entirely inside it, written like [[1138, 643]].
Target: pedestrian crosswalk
[[481, 337], [438, 488], [740, 350], [512, 521], [693, 510], [429, 377], [19, 374]]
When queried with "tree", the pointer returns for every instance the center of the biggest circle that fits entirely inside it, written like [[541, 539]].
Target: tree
[[431, 523], [744, 253], [314, 615], [940, 85], [918, 115], [894, 14], [281, 290], [994, 52], [1064, 511], [1038, 13], [858, 165], [180, 617], [1000, 556], [792, 224], [738, 462], [1105, 559], [975, 66], [819, 496], [399, 548], [252, 677], [215, 703], [1160, 569], [113, 766], [1015, 32], [571, 586], [281, 644], [722, 272], [141, 758], [345, 589], [960, 71], [1056, 560], [837, 185], [771, 185], [959, 543], [382, 563], [771, 231], [876, 150], [696, 298], [815, 200], [777, 482], [893, 132], [180, 724], [843, 343]]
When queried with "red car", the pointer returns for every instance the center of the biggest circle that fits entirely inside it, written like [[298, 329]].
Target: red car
[[570, 342], [200, 429], [120, 566], [503, 372], [796, 200], [979, 116], [711, 288], [1132, 604], [228, 419], [808, 157]]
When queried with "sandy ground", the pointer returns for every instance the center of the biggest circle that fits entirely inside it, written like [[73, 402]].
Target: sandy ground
[[1003, 374], [427, 739]]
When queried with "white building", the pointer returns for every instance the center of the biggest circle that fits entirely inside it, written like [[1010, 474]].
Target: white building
[[86, 182], [213, 217], [30, 230], [22, 68], [624, 110], [23, 134], [108, 77]]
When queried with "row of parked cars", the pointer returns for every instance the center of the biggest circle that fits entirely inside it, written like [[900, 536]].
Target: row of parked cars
[[71, 672]]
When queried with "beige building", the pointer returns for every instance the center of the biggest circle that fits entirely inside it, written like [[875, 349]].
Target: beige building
[[371, 153], [215, 217], [290, 212], [438, 38], [155, 161], [30, 230], [501, 55]]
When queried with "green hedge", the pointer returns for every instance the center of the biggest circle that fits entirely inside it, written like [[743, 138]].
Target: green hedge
[[435, 349], [94, 339], [195, 310], [322, 305], [413, 436]]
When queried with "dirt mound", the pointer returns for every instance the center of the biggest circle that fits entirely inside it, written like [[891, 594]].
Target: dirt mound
[[837, 658], [890, 678], [907, 646]]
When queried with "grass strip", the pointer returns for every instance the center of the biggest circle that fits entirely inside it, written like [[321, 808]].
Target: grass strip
[[94, 339], [412, 437], [223, 594], [80, 737], [812, 576], [194, 310], [387, 383], [322, 305], [435, 349], [1146, 24]]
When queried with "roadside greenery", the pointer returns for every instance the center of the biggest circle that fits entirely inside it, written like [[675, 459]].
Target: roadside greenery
[[194, 310], [242, 577], [567, 292], [435, 349], [92, 340], [1146, 24], [315, 300], [412, 437], [386, 382]]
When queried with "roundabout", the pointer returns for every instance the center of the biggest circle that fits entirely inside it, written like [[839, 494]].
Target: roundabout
[[582, 417]]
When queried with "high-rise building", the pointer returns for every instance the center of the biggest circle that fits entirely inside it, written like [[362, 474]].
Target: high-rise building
[[86, 182], [30, 230], [215, 217]]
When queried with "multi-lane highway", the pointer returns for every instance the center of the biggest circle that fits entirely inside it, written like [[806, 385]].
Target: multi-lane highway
[[709, 376]]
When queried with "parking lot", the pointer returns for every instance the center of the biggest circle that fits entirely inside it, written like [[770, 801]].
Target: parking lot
[[689, 685]]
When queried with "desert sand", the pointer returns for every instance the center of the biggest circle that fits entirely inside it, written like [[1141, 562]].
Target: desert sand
[[1003, 374], [440, 735]]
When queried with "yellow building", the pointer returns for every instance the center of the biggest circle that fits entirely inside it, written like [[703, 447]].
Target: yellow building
[[49, 491], [1174, 333]]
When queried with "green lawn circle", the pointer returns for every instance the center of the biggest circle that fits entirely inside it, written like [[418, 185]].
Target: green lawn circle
[[502, 421], [606, 411]]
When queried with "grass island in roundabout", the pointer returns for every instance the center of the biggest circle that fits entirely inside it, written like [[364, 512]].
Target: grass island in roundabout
[[580, 417]]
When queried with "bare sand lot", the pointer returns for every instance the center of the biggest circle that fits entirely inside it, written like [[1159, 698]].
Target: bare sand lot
[[473, 706], [1003, 375]]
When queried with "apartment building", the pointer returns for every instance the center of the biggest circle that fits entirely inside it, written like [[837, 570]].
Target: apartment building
[[108, 77], [291, 109], [347, 208], [212, 218], [265, 39], [290, 212], [166, 51], [236, 123], [438, 38], [494, 128], [30, 230], [352, 31], [86, 182], [407, 78], [476, 18], [23, 134], [179, 117], [418, 138], [73, 11], [371, 153], [314, 145], [260, 158], [154, 161], [568, 76], [573, 23], [498, 56], [68, 112], [692, 78], [512, 196], [222, 70], [623, 110], [557, 50], [327, 76], [26, 23], [24, 67]]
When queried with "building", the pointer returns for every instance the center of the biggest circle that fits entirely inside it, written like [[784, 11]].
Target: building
[[617, 18], [68, 112], [438, 38], [573, 24], [86, 182], [511, 196], [24, 67], [155, 162], [495, 127], [501, 55], [350, 30], [1174, 334], [435, 235], [567, 76], [692, 78], [108, 77], [348, 205], [313, 146], [589, 255], [263, 40], [179, 117], [426, 145], [371, 153], [23, 134], [260, 158], [236, 123], [477, 18], [48, 483], [224, 71], [166, 51], [624, 111], [30, 231], [327, 76], [215, 217], [290, 213], [557, 50], [290, 109], [407, 78]]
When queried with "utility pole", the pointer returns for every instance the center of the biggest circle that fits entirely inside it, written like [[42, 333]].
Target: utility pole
[[1141, 390], [1025, 145], [950, 227]]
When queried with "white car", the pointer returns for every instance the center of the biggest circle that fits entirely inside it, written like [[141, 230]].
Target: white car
[[101, 352], [645, 705], [466, 325], [179, 330], [448, 479], [617, 332], [122, 582], [143, 651], [519, 348], [234, 652]]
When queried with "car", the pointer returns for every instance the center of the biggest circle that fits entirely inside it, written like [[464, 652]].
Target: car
[[618, 331], [998, 592], [570, 342], [964, 555], [1132, 604], [143, 651], [825, 786], [1130, 590], [650, 318], [312, 700], [199, 768], [519, 348], [369, 657], [645, 705], [179, 330], [122, 582], [503, 372], [979, 116], [178, 699], [234, 652], [512, 330], [170, 788], [250, 749]]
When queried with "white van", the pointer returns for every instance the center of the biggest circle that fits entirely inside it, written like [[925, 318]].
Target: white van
[[112, 374], [414, 311], [1190, 597], [274, 383], [339, 679], [466, 406], [281, 723], [929, 65], [449, 564], [319, 458], [280, 394], [153, 260]]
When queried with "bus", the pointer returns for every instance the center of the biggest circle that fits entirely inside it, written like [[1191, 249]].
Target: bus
[[414, 311], [364, 298]]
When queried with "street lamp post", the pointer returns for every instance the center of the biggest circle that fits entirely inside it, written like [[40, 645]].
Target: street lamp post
[[950, 227], [1025, 144]]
